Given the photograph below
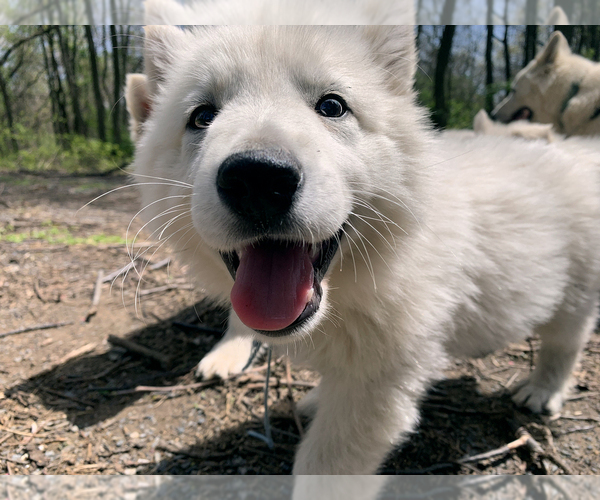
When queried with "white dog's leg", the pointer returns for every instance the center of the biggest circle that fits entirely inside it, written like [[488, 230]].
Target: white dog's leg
[[356, 425], [562, 341], [231, 354]]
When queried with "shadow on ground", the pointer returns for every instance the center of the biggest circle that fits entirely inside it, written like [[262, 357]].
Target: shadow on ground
[[457, 420], [87, 388]]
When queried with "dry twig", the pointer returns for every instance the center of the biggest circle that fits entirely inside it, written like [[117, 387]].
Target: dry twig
[[160, 264], [503, 450], [38, 293], [96, 297], [66, 396], [132, 346], [45, 326], [171, 388], [80, 351], [166, 288], [118, 272]]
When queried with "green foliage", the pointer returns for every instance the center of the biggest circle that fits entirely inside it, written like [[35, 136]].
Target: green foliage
[[71, 155], [57, 235]]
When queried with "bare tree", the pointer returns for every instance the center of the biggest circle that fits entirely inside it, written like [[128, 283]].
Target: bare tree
[[440, 110], [507, 72], [530, 44], [489, 69], [68, 64], [96, 83], [116, 109], [4, 86]]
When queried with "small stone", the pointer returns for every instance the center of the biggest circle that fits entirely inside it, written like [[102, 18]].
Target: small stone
[[130, 471]]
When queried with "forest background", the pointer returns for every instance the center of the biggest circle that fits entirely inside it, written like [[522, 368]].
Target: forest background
[[61, 86]]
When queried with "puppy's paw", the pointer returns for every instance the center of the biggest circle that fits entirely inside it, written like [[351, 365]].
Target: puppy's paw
[[537, 398], [229, 357]]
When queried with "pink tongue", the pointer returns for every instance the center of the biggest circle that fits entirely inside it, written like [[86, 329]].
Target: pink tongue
[[271, 285]]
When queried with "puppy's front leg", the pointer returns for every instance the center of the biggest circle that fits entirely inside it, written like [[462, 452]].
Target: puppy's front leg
[[231, 354], [356, 425]]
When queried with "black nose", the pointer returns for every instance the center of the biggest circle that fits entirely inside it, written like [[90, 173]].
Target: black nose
[[260, 186]]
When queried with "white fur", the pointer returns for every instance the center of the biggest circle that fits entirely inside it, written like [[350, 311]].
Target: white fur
[[455, 245], [544, 86]]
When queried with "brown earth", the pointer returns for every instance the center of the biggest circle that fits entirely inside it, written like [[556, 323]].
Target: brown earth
[[68, 398]]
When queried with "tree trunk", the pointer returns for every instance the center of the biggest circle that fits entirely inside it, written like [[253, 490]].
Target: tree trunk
[[507, 73], [440, 109], [69, 67], [116, 110], [51, 90], [124, 44], [9, 113], [530, 43], [96, 83], [595, 41], [489, 70], [62, 117]]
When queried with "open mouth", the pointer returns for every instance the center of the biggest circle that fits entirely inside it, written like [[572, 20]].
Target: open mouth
[[523, 113], [278, 283]]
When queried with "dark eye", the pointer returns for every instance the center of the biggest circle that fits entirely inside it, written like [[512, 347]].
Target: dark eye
[[202, 117], [331, 106]]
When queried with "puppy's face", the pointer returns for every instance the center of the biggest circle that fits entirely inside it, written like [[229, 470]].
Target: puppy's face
[[283, 138]]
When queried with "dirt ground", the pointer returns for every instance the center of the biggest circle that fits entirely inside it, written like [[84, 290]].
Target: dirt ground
[[71, 402]]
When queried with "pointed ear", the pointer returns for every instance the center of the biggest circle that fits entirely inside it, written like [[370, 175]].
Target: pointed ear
[[160, 46], [556, 45], [138, 102], [393, 49], [482, 122]]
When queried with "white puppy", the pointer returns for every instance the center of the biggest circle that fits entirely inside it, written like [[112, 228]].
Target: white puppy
[[304, 187]]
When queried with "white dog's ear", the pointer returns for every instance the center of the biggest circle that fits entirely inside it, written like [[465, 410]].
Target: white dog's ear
[[138, 102], [482, 123], [393, 48], [161, 45], [556, 45]]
